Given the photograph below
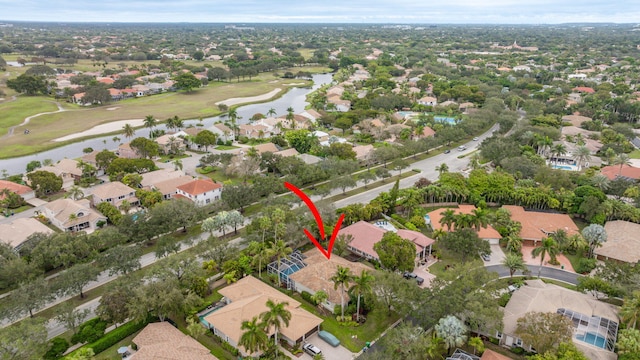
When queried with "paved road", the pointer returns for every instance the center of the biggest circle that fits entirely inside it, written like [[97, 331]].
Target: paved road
[[546, 272]]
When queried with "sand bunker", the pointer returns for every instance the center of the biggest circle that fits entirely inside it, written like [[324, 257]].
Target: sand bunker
[[113, 108], [263, 97], [103, 129]]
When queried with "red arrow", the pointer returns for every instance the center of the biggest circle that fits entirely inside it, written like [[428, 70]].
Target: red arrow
[[316, 215]]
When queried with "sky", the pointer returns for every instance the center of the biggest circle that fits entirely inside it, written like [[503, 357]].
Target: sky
[[324, 11]]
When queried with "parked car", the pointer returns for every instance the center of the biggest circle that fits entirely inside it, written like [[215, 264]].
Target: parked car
[[462, 148], [475, 139], [311, 349], [447, 151], [410, 275], [485, 256]]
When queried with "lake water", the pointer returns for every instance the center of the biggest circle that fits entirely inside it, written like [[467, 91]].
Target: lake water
[[295, 98]]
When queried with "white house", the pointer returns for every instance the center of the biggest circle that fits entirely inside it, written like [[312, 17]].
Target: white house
[[200, 191]]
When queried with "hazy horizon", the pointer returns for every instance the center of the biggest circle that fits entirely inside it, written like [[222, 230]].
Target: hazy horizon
[[490, 12]]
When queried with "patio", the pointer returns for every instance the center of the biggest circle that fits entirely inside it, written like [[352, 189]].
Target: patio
[[565, 264]]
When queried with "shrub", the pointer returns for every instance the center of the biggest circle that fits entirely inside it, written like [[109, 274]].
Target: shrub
[[410, 226], [337, 310], [116, 335], [504, 299], [585, 265], [58, 347], [517, 350], [308, 297], [90, 331]]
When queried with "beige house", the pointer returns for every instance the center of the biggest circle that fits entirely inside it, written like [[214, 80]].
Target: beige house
[[170, 143], [114, 193], [224, 132], [247, 299], [428, 101], [66, 169], [317, 273], [72, 215], [594, 321], [152, 177], [125, 151], [163, 341], [623, 243], [17, 231], [169, 188]]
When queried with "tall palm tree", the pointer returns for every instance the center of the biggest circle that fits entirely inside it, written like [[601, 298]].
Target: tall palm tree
[[279, 250], [341, 279], [452, 330], [128, 131], [361, 285], [600, 181], [630, 311], [513, 262], [549, 247], [448, 218], [115, 139], [320, 297], [254, 338], [177, 164], [150, 122], [75, 192], [582, 154], [558, 150], [276, 316], [291, 117], [442, 168], [272, 112], [621, 159], [480, 219]]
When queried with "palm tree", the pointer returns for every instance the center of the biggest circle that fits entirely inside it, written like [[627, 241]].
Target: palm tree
[[549, 247], [125, 206], [600, 181], [513, 262], [630, 311], [595, 235], [276, 316], [291, 117], [177, 164], [320, 297], [582, 154], [341, 279], [361, 285], [75, 192], [271, 112], [279, 249], [452, 331], [480, 219], [621, 159], [128, 131], [115, 139], [558, 150], [477, 344], [254, 338], [442, 168], [150, 122], [448, 218]]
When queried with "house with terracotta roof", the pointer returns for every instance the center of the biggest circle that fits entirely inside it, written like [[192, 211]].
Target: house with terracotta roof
[[489, 233], [73, 215], [538, 225], [18, 231], [200, 191], [66, 169], [317, 273], [623, 243], [428, 101], [583, 89], [163, 341], [247, 299], [366, 235], [625, 172], [24, 191], [593, 321], [114, 193]]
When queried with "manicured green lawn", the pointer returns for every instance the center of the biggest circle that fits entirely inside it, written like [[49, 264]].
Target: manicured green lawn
[[635, 154], [112, 352], [12, 113], [226, 147]]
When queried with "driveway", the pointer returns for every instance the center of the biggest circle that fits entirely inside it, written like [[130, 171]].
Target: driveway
[[497, 255], [329, 352]]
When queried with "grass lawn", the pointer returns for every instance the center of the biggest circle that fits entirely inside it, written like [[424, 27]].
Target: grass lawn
[[226, 147], [171, 158], [377, 322], [196, 104], [13, 113], [575, 258], [635, 154]]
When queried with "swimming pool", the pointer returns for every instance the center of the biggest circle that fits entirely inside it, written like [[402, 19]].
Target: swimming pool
[[427, 219], [445, 119], [563, 167], [204, 322], [593, 339]]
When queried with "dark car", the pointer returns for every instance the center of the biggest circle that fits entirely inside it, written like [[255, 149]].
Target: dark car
[[485, 256], [410, 275], [447, 151]]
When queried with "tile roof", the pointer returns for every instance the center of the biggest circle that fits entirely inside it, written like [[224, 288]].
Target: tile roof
[[492, 355], [538, 225], [248, 299], [170, 186], [287, 152], [623, 243], [63, 208], [14, 187], [158, 341], [484, 233], [318, 272], [613, 171], [18, 230], [112, 190], [575, 120], [365, 235], [199, 186], [270, 147], [157, 176]]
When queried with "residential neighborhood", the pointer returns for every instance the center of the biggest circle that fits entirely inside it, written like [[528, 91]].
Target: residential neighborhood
[[464, 192]]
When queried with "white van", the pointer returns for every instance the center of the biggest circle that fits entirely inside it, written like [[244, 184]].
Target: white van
[[462, 148], [311, 349]]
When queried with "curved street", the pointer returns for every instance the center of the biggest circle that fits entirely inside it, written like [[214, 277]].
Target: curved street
[[545, 272]]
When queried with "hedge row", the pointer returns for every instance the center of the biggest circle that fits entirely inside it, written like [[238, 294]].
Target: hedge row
[[113, 337]]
